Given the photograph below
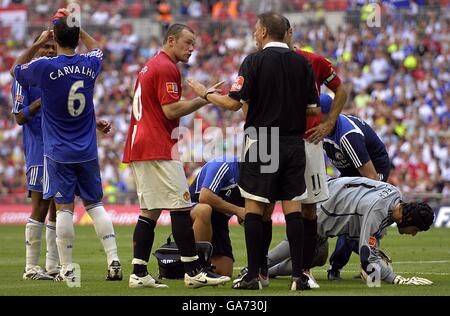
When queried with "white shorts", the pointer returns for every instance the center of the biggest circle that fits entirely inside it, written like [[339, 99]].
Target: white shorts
[[315, 174], [161, 185]]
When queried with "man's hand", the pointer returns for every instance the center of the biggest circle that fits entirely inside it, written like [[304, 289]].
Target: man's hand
[[44, 38], [319, 132], [201, 90], [240, 215], [103, 126], [411, 281], [61, 13]]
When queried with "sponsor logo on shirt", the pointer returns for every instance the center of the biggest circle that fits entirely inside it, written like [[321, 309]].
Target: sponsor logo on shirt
[[172, 87], [238, 84], [339, 155]]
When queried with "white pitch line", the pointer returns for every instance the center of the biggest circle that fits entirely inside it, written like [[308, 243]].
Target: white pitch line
[[435, 261], [395, 262], [400, 272]]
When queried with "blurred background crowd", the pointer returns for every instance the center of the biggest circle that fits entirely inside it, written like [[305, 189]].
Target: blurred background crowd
[[397, 75]]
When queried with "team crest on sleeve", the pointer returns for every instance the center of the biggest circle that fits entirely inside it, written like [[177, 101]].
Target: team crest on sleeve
[[237, 84], [172, 87]]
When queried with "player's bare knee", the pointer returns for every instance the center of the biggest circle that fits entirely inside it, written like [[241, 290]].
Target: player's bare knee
[[151, 214], [201, 212]]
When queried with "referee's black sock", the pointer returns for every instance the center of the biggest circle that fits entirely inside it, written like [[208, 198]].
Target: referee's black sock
[[184, 238], [310, 242], [144, 234], [267, 239], [253, 235], [294, 232]]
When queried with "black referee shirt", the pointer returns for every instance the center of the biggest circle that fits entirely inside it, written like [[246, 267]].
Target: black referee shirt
[[279, 85]]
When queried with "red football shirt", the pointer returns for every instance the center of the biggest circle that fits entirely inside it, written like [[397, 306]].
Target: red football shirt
[[325, 74], [150, 133]]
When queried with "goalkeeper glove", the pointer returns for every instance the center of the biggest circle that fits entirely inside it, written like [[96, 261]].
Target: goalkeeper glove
[[411, 281]]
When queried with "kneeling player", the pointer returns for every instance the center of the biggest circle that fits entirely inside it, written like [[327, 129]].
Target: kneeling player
[[362, 209], [218, 198]]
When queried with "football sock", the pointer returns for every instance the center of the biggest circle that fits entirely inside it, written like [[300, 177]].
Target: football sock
[[310, 242], [184, 238], [52, 258], [294, 232], [64, 238], [104, 229], [143, 236], [267, 238], [253, 235], [33, 237]]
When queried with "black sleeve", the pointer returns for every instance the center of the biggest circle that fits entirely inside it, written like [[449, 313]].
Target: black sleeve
[[243, 85], [312, 95]]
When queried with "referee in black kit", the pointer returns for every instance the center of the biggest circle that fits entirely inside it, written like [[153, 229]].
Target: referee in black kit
[[278, 85]]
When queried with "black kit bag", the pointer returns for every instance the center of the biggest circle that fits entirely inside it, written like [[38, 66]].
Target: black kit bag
[[169, 261]]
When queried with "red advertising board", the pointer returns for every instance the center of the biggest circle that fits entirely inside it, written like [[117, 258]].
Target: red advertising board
[[120, 215]]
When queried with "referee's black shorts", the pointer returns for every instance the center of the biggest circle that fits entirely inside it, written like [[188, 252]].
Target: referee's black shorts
[[284, 183]]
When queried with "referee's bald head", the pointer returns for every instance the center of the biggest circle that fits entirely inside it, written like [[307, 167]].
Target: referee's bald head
[[275, 25]]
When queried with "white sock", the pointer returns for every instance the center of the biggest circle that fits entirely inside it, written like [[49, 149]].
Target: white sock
[[64, 238], [33, 237], [104, 229], [52, 258]]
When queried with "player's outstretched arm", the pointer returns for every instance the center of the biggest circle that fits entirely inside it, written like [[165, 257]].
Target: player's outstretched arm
[[29, 54], [222, 101], [181, 108]]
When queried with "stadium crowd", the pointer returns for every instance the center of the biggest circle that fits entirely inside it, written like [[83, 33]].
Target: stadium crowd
[[397, 75]]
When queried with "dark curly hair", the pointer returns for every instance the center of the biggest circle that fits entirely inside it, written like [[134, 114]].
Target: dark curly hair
[[417, 214], [65, 35]]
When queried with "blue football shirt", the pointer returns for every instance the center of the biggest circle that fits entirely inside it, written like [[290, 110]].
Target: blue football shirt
[[68, 116], [217, 175], [353, 144], [33, 146]]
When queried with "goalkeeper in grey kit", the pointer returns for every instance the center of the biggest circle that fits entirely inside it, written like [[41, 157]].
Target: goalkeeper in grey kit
[[362, 209]]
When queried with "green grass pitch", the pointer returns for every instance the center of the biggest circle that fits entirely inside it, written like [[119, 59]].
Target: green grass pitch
[[426, 255]]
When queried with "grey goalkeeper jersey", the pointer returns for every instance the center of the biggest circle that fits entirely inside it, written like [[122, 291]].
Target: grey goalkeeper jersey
[[360, 209]]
